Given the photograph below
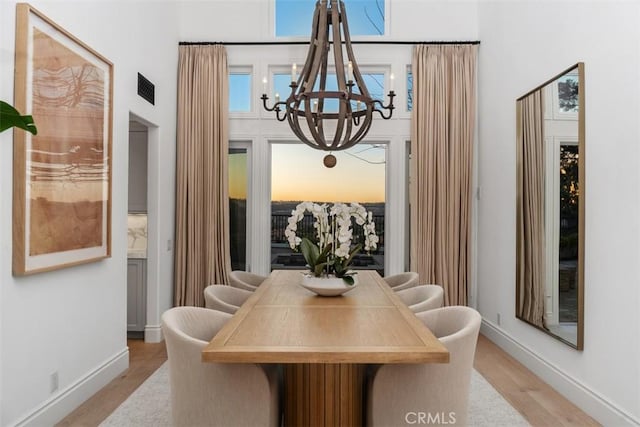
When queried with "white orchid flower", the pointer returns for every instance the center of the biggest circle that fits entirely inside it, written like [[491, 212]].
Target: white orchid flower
[[343, 251], [333, 225], [345, 236]]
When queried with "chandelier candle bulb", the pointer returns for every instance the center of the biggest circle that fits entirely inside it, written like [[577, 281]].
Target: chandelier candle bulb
[[264, 85], [392, 79], [277, 97], [294, 73], [350, 71], [315, 106]]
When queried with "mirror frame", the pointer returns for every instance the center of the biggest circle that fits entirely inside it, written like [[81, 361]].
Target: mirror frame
[[579, 345]]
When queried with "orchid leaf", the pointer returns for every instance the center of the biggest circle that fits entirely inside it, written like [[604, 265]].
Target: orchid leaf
[[349, 280], [339, 268], [326, 251], [353, 253], [317, 271], [10, 117], [310, 252]]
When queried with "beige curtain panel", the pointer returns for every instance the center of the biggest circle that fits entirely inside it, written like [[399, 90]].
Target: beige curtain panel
[[202, 211], [442, 134], [530, 268]]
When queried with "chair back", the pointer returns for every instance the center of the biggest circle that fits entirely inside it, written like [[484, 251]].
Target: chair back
[[225, 298], [205, 394], [245, 280], [440, 390], [401, 281], [422, 298]]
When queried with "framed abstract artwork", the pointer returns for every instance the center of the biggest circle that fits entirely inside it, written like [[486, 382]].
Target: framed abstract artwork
[[62, 175]]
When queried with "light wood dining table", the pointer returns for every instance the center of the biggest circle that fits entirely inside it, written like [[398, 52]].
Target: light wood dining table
[[324, 343]]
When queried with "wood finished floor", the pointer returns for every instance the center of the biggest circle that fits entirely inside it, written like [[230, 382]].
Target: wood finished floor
[[540, 404], [144, 359]]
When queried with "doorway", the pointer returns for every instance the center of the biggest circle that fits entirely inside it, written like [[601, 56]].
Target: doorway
[[137, 230]]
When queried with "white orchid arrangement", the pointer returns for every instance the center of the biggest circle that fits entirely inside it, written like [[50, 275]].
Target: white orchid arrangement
[[334, 233]]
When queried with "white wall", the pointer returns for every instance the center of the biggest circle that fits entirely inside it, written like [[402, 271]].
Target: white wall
[[525, 43], [73, 320]]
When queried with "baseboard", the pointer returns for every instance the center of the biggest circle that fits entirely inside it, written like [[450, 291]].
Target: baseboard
[[594, 404], [62, 404], [153, 333]]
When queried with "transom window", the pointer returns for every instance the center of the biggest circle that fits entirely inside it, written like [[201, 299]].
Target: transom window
[[239, 91], [293, 17]]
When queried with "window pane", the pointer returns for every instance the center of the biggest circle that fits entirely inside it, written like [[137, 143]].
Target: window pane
[[375, 85], [409, 90], [293, 17], [359, 176], [568, 236], [281, 87], [238, 207], [568, 93], [239, 92]]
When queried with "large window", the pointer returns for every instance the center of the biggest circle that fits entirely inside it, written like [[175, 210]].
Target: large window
[[256, 236], [294, 17], [298, 174]]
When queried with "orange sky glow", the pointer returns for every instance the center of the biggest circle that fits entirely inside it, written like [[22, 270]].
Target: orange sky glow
[[299, 174]]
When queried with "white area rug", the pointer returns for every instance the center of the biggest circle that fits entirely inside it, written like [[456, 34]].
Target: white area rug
[[149, 405]]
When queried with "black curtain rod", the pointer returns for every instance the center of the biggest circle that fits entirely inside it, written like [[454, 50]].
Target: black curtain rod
[[306, 43]]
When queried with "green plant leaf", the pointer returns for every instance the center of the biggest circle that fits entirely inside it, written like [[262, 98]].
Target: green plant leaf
[[339, 268], [310, 252], [353, 253], [10, 117], [317, 271], [349, 280], [325, 252]]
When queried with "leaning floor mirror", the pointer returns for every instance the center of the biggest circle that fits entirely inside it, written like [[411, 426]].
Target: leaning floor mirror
[[550, 207]]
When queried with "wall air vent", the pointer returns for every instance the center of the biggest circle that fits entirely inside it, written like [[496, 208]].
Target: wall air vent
[[146, 89]]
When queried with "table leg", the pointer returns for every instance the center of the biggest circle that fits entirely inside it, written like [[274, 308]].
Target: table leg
[[319, 394]]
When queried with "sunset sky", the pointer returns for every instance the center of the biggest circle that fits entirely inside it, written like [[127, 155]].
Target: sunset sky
[[299, 174]]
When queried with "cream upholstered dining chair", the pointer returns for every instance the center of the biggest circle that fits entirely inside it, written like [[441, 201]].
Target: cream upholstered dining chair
[[401, 281], [438, 389], [422, 297], [245, 280], [225, 298], [214, 394]]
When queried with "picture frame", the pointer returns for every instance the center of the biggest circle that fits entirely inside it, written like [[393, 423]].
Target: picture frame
[[62, 175]]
